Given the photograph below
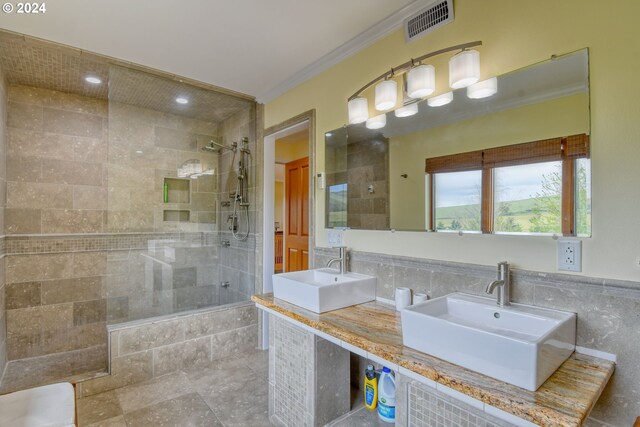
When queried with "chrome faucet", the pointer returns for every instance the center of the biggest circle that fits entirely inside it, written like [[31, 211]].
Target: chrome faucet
[[344, 258], [503, 284]]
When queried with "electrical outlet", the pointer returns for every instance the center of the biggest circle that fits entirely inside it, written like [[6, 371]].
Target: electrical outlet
[[335, 238], [569, 255]]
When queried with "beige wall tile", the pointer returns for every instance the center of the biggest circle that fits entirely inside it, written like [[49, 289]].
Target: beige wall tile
[[176, 139], [20, 346], [89, 197], [67, 221], [23, 168], [22, 142], [89, 264], [26, 268], [24, 116], [89, 312], [90, 149], [220, 321], [26, 94], [56, 99], [28, 327], [235, 342], [39, 195], [22, 221], [74, 338], [76, 103], [203, 201], [71, 172], [149, 336], [192, 354], [125, 370], [22, 295], [121, 221], [71, 123], [70, 290]]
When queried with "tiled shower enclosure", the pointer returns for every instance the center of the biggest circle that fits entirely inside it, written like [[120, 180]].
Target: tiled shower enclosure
[[105, 223]]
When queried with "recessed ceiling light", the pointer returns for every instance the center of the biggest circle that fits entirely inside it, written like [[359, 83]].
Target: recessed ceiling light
[[93, 80], [181, 100], [139, 152]]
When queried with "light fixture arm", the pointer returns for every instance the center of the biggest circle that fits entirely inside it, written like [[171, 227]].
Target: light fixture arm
[[403, 68]]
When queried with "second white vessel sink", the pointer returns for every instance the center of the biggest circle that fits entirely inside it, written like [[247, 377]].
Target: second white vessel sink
[[324, 289], [518, 344]]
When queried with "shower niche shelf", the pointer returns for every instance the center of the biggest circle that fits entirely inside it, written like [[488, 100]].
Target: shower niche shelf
[[176, 215], [177, 190]]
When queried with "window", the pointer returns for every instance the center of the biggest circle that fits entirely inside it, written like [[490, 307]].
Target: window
[[539, 187], [457, 201], [528, 198]]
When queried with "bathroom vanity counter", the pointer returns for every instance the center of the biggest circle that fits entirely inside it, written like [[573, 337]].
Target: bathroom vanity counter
[[565, 399]]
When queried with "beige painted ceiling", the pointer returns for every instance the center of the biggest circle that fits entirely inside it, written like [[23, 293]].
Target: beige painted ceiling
[[249, 46]]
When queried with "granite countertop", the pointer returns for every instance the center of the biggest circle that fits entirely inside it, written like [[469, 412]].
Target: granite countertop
[[565, 399]]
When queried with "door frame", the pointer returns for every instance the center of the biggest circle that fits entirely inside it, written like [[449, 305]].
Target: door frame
[[292, 125]]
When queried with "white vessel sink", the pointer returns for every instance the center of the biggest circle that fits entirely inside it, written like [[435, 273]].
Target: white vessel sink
[[324, 289], [518, 344]]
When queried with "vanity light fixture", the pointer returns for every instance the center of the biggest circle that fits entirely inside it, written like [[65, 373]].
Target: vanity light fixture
[[182, 100], [407, 110], [358, 110], [421, 81], [386, 94], [464, 70], [377, 122], [483, 89], [93, 80], [440, 100]]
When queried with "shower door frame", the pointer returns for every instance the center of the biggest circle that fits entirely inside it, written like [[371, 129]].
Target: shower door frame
[[268, 229]]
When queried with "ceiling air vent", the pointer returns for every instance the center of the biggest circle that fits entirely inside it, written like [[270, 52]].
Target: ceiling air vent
[[427, 20]]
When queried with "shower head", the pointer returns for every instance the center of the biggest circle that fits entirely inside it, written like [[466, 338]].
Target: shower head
[[217, 148]]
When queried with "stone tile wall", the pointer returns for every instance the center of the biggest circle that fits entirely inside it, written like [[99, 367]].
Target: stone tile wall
[[146, 146], [55, 303], [88, 243], [141, 352], [56, 157], [607, 310], [368, 166], [3, 192]]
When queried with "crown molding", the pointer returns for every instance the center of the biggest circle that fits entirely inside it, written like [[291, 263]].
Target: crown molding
[[359, 42]]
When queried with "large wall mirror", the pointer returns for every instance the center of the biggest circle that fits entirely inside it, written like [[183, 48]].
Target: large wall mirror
[[516, 161]]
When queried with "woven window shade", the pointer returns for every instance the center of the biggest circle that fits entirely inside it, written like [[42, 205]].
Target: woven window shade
[[455, 162], [546, 150], [577, 146]]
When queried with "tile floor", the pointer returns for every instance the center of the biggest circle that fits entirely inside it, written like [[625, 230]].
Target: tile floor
[[231, 393]]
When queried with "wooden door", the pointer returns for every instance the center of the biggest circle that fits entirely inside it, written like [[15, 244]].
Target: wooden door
[[296, 183]]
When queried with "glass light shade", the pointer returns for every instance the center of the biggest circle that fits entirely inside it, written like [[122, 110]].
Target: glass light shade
[[407, 110], [440, 100], [377, 122], [386, 94], [421, 81], [182, 173], [358, 110], [464, 69], [483, 89]]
